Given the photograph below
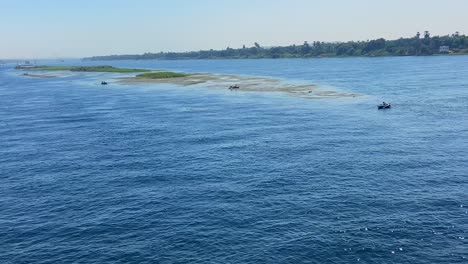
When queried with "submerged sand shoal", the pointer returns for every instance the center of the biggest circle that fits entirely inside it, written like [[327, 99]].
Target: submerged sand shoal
[[245, 83], [39, 75]]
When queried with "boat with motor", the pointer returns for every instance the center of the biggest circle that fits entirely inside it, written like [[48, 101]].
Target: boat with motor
[[384, 105]]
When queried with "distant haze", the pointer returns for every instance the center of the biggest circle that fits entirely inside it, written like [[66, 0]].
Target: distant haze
[[57, 28]]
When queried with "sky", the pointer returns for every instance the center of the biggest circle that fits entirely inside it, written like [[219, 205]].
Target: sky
[[64, 29]]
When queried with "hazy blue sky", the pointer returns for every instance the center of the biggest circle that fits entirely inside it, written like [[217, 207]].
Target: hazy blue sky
[[62, 28]]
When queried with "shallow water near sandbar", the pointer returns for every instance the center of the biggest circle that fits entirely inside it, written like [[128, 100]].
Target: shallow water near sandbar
[[163, 173]]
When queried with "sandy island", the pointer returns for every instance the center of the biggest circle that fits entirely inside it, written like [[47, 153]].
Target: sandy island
[[245, 83], [207, 80]]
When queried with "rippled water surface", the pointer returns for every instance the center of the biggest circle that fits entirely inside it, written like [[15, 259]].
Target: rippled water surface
[[155, 173]]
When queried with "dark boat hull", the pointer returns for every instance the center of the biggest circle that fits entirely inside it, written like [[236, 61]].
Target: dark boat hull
[[384, 106]]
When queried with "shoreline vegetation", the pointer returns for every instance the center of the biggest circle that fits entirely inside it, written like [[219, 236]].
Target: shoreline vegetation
[[420, 45]]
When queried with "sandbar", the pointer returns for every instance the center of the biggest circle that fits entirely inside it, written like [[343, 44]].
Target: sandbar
[[38, 75], [245, 83]]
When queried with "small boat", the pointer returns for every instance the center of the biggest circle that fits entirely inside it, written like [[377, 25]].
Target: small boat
[[234, 87], [384, 105], [103, 83]]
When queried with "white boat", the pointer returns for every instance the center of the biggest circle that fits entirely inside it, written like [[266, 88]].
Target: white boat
[[25, 65]]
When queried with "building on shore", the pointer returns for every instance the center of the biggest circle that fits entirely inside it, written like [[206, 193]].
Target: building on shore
[[444, 49], [25, 65]]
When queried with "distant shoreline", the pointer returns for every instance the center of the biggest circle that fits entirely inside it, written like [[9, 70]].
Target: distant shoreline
[[419, 45], [268, 58], [9, 61]]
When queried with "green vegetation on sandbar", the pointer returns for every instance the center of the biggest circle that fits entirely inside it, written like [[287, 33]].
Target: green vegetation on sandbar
[[88, 69], [161, 75]]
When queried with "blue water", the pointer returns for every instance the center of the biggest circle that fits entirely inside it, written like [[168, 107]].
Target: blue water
[[165, 174]]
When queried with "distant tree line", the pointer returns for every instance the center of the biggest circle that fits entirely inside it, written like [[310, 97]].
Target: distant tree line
[[419, 45]]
